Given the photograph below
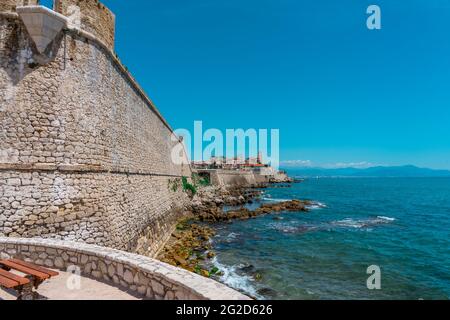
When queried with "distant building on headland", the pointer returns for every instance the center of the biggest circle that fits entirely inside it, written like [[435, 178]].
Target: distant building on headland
[[238, 170]]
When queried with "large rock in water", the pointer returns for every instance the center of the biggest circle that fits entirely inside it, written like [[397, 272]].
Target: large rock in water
[[291, 206], [215, 214]]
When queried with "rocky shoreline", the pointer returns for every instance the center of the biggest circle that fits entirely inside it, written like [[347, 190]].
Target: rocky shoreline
[[190, 244]]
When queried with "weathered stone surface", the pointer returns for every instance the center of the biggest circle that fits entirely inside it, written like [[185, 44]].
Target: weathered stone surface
[[91, 16], [102, 267], [142, 290], [161, 280], [128, 277], [59, 263], [111, 270], [84, 154], [84, 259], [157, 288]]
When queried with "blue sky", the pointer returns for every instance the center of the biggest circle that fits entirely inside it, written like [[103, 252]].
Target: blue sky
[[338, 92]]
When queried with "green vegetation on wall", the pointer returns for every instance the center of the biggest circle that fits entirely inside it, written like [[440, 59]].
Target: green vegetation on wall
[[190, 187], [200, 181]]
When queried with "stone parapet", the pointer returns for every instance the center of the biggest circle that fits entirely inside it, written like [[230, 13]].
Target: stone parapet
[[150, 278], [91, 16]]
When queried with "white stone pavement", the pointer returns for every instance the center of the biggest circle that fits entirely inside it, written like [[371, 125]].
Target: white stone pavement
[[89, 289]]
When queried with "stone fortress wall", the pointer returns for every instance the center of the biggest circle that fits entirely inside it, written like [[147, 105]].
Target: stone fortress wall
[[84, 154], [232, 178], [91, 16]]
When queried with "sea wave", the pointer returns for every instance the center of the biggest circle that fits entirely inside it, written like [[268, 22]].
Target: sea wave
[[285, 228], [275, 200], [292, 227], [232, 236], [313, 206], [349, 223], [362, 223], [386, 218], [226, 238], [317, 205], [233, 279]]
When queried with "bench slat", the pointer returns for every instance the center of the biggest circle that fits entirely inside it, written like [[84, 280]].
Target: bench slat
[[40, 275], [30, 265], [14, 277], [8, 283]]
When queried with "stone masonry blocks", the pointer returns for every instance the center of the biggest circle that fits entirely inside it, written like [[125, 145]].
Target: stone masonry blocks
[[10, 5], [83, 156], [93, 17]]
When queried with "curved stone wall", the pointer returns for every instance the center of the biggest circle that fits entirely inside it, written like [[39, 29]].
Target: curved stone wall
[[10, 5], [90, 15], [233, 178], [84, 154], [150, 278]]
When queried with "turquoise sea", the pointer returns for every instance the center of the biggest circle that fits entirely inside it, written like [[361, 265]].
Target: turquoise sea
[[401, 225]]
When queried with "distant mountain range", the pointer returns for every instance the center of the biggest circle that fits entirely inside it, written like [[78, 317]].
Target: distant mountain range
[[401, 171]]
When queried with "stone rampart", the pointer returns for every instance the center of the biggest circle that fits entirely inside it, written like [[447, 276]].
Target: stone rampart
[[91, 16], [232, 178], [150, 278], [84, 154]]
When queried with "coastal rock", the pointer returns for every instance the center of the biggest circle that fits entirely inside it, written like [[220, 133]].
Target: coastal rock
[[293, 205], [247, 268], [267, 292], [217, 215], [188, 246]]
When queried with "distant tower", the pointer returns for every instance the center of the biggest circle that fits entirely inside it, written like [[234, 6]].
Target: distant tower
[[260, 158]]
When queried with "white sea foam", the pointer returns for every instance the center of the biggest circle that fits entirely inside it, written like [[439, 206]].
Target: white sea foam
[[283, 227], [275, 200], [364, 223], [228, 238], [234, 280], [313, 206], [386, 218], [348, 223], [232, 236], [317, 205]]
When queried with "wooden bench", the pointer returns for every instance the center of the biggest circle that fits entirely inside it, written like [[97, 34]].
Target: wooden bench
[[10, 280], [34, 277]]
